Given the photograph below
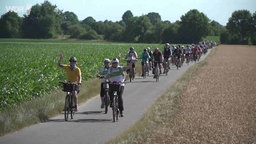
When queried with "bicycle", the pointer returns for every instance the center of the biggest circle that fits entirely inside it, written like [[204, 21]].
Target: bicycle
[[156, 71], [145, 70], [106, 98], [166, 66], [132, 69], [178, 62], [115, 87], [68, 106]]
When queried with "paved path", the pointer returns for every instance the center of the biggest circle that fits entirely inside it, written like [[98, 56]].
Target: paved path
[[90, 124]]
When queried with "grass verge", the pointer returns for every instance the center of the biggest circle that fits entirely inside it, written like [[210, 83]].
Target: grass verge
[[158, 116], [40, 109]]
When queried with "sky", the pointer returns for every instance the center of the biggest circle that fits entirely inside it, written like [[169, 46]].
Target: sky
[[113, 10]]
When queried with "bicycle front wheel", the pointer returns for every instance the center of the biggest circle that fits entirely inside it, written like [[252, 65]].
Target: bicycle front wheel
[[115, 109], [66, 108]]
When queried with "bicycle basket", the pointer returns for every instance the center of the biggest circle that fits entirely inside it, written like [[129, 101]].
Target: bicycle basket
[[114, 87], [68, 87]]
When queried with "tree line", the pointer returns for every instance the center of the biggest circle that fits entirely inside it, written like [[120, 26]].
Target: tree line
[[46, 21]]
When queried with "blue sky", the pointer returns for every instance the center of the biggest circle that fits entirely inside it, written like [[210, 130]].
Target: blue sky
[[172, 10]]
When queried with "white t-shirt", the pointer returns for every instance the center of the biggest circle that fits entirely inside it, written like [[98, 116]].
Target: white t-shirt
[[116, 75]]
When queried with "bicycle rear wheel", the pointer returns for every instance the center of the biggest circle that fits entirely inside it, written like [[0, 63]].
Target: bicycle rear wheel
[[157, 74], [71, 108], [131, 74]]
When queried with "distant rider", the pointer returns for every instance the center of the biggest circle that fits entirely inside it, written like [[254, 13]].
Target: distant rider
[[157, 59], [102, 74], [167, 53], [144, 60], [131, 58]]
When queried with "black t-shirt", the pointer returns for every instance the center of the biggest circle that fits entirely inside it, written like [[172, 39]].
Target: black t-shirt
[[157, 56]]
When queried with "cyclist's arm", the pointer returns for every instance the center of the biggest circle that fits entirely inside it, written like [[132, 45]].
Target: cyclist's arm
[[60, 60], [79, 80]]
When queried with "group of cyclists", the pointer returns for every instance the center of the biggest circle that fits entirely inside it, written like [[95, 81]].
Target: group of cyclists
[[115, 73]]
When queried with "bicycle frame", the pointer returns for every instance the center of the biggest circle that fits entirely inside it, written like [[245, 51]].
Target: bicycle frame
[[69, 99]]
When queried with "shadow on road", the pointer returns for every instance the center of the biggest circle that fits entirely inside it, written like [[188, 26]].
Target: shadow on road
[[92, 120], [90, 112]]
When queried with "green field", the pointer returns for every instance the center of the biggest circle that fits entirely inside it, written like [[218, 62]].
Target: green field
[[29, 67]]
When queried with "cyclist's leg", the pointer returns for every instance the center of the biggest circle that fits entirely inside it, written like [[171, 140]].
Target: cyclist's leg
[[111, 94], [142, 68], [160, 67], [102, 93], [75, 99], [120, 100]]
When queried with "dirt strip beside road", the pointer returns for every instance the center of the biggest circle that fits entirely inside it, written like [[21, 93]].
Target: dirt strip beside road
[[219, 104]]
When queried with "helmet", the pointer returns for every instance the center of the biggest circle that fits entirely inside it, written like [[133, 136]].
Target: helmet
[[106, 60], [167, 44], [157, 49], [131, 48], [72, 59], [115, 60], [145, 50], [148, 48]]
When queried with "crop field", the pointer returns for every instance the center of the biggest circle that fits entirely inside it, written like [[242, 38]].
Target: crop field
[[29, 67]]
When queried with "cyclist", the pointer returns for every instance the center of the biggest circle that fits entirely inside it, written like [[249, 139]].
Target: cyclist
[[157, 59], [131, 58], [144, 60], [167, 53], [177, 54], [73, 74], [187, 53], [195, 52], [102, 74], [150, 59], [116, 78]]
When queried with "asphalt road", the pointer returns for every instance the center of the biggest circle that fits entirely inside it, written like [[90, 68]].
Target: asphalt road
[[90, 125]]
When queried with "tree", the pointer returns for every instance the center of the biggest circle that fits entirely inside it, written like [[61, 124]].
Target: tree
[[240, 26], [127, 16], [170, 34], [68, 19], [41, 22], [89, 22], [10, 24], [154, 17], [113, 31], [216, 28], [253, 35], [194, 26], [142, 25]]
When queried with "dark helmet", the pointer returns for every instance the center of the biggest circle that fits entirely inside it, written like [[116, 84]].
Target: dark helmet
[[72, 59], [131, 48]]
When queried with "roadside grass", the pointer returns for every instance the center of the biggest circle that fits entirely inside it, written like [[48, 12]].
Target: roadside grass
[[158, 117], [41, 109]]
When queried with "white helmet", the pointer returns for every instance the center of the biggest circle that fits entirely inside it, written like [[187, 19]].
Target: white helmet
[[106, 60], [115, 60]]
